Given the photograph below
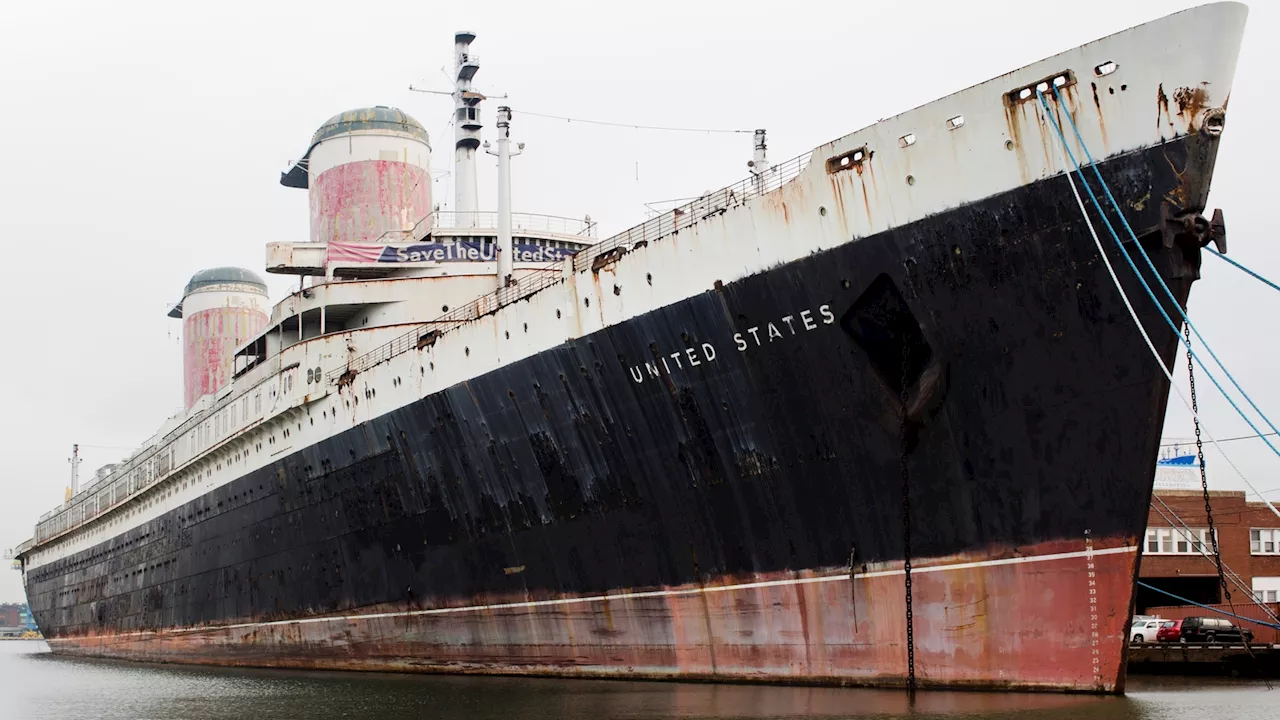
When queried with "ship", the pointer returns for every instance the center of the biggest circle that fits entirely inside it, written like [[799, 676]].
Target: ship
[[876, 415]]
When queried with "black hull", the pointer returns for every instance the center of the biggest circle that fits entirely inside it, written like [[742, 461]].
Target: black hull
[[1035, 412]]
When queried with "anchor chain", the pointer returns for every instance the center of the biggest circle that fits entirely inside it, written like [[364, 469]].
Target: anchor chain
[[906, 525], [1204, 480], [853, 584], [1204, 487]]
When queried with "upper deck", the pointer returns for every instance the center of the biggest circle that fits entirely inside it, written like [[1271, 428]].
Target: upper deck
[[437, 243]]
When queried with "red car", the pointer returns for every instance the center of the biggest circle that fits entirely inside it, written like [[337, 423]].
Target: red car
[[1170, 631]]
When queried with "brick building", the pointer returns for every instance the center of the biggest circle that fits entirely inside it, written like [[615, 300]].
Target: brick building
[[15, 618], [1173, 558]]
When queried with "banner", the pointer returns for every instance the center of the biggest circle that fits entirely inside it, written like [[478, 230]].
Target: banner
[[1177, 467], [461, 251]]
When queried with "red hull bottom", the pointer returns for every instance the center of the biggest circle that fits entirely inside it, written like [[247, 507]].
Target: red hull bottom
[[1046, 617]]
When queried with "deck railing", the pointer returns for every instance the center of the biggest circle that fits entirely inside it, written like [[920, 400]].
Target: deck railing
[[662, 226], [488, 220]]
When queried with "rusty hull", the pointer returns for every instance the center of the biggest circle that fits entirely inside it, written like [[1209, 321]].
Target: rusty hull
[[1025, 624], [736, 491]]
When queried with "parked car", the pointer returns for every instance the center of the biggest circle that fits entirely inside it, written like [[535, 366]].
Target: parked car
[[1144, 630], [1170, 631], [1207, 629]]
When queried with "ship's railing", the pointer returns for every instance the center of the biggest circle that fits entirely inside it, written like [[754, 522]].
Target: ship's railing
[[691, 213], [425, 334], [128, 478], [530, 222], [662, 226], [488, 220]]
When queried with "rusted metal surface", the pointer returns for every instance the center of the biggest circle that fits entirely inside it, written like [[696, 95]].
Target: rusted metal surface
[[754, 450], [1024, 624], [362, 201], [209, 339], [688, 443]]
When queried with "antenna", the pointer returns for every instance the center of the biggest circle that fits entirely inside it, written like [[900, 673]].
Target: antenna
[[75, 470], [505, 260], [433, 92], [759, 162]]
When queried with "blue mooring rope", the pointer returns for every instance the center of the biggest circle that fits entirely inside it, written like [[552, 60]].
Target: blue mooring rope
[[1141, 279], [1242, 267], [1206, 607]]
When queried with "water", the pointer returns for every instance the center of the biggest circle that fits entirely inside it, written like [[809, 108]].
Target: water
[[35, 685]]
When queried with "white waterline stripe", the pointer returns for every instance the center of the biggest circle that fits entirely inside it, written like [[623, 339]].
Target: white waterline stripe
[[636, 595]]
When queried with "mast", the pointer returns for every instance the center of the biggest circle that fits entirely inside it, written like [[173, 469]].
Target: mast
[[505, 245], [75, 469], [759, 160], [466, 129]]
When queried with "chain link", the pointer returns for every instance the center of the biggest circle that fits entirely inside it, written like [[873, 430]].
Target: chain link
[[1204, 478], [906, 523], [1204, 486]]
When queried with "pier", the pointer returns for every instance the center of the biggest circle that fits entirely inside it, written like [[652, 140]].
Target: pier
[[1258, 660]]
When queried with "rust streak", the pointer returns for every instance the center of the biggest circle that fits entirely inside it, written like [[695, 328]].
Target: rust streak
[[1190, 101], [1014, 124], [1162, 106], [1102, 120]]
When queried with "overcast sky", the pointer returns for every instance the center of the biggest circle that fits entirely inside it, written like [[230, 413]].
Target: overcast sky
[[140, 142]]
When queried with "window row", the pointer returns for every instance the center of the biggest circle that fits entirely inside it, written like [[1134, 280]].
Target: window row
[[1195, 541], [1178, 541]]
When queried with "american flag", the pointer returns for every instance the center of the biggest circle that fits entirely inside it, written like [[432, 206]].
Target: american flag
[[352, 252]]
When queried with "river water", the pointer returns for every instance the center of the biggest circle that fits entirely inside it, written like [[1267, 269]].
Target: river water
[[35, 685]]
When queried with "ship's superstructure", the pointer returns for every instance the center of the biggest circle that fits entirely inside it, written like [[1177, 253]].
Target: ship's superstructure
[[701, 448], [377, 262]]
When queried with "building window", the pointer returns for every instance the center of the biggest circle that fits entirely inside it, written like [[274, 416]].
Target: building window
[[1178, 541], [1263, 541], [1266, 589]]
